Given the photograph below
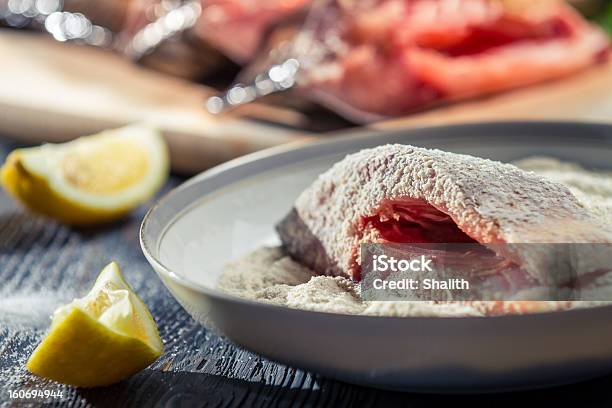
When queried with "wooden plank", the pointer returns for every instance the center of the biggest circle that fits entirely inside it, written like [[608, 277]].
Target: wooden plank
[[52, 92], [55, 92]]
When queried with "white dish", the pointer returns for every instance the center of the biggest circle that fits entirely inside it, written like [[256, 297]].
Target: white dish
[[228, 211]]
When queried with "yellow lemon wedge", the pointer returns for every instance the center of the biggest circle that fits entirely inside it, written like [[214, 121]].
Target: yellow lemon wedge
[[90, 180], [99, 339]]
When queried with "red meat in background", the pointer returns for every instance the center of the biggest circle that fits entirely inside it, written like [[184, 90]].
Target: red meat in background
[[238, 27], [390, 57]]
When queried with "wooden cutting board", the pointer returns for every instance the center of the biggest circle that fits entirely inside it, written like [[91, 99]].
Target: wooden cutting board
[[53, 92]]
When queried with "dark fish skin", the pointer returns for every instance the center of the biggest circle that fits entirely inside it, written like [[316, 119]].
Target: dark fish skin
[[299, 241]]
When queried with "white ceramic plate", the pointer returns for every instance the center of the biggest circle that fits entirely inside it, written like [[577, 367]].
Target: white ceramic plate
[[228, 211]]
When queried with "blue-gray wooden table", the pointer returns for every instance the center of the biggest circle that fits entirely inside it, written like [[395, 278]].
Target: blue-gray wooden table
[[43, 264]]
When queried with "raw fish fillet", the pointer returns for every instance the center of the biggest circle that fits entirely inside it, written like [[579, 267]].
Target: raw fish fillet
[[404, 194], [235, 27], [238, 27], [377, 58]]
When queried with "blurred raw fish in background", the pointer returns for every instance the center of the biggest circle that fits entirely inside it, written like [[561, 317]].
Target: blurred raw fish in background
[[372, 59], [365, 59], [209, 31], [200, 34]]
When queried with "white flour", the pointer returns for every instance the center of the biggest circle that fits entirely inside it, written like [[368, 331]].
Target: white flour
[[30, 309], [268, 275]]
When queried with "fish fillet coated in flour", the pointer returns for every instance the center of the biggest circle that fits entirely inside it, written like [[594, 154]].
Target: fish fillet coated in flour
[[404, 194]]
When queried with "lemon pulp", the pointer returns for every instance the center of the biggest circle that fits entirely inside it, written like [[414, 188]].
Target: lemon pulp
[[92, 179], [99, 339], [116, 167]]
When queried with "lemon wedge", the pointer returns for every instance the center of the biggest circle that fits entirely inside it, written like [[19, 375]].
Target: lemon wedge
[[90, 180], [99, 339]]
